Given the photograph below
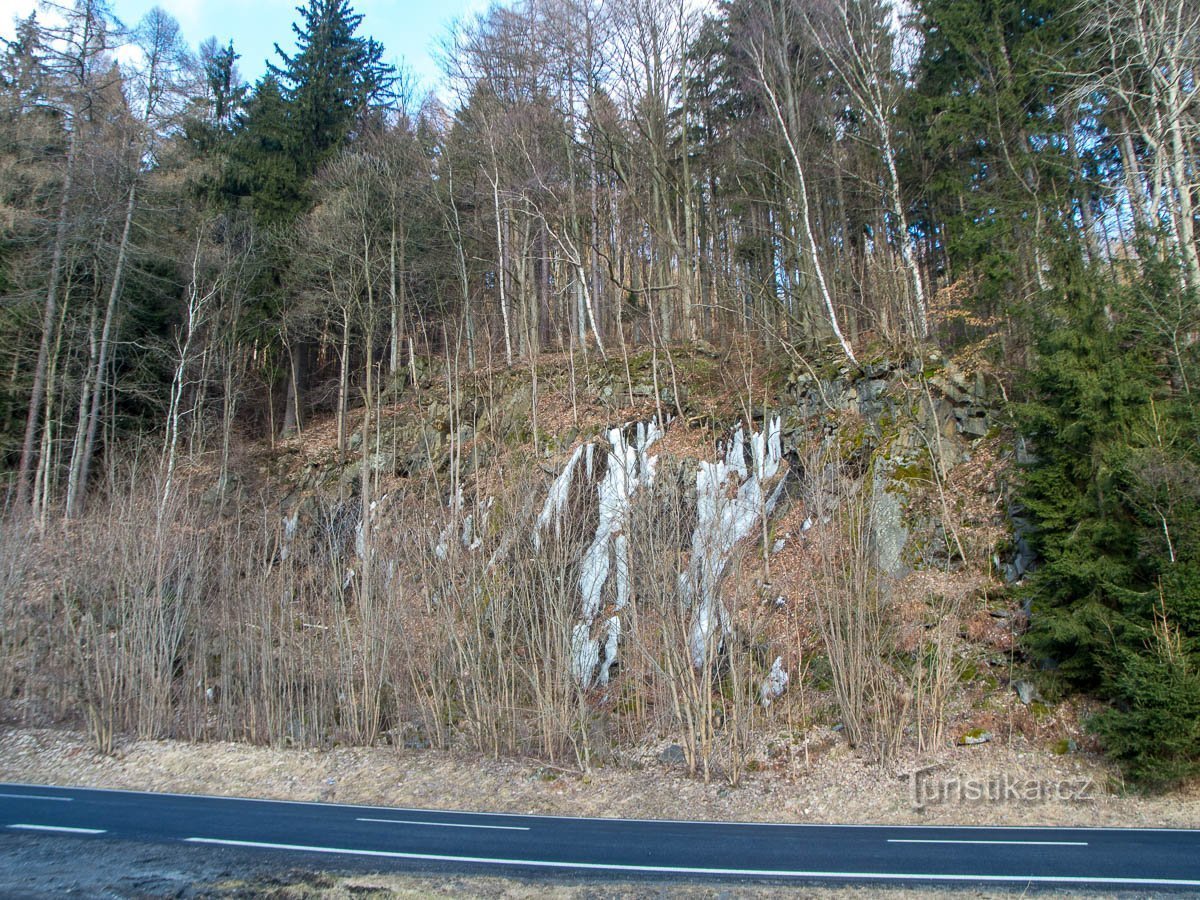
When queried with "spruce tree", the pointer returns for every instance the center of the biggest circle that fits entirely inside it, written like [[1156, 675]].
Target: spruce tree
[[330, 82], [305, 108], [985, 136], [1114, 494], [264, 167]]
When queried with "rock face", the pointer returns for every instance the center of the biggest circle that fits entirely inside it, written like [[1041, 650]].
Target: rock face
[[912, 423], [889, 533], [902, 426]]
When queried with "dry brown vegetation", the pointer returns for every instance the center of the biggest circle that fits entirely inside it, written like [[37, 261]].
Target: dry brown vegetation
[[371, 611]]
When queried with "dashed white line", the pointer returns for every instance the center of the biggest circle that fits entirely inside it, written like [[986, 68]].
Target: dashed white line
[[37, 797], [608, 820], [64, 828], [1015, 843], [687, 870], [445, 824]]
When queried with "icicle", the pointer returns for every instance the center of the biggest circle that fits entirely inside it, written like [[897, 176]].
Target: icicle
[[723, 522], [628, 467], [613, 628], [289, 532], [585, 654], [468, 533], [556, 499], [775, 683], [621, 552], [735, 455]]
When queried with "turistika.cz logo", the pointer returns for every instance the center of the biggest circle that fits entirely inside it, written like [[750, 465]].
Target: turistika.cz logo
[[926, 788]]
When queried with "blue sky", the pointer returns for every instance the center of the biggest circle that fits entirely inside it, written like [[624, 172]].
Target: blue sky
[[408, 29]]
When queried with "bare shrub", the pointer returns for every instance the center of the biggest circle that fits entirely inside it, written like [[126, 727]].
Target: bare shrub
[[138, 574], [16, 624], [854, 614], [714, 705], [368, 616]]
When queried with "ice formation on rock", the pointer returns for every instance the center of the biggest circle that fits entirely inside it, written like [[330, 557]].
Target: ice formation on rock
[[628, 467], [289, 532], [775, 683], [556, 499], [722, 521], [469, 534], [360, 538]]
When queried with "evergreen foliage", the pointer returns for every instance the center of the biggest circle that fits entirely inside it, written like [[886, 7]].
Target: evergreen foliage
[[1115, 498], [987, 136]]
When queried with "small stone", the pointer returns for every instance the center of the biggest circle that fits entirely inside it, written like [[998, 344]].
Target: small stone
[[974, 738], [1026, 690], [673, 754]]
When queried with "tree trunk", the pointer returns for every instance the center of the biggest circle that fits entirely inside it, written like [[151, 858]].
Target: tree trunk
[[25, 465], [806, 220], [297, 377], [102, 357]]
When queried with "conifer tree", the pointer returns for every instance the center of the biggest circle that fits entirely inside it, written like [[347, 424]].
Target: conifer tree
[[264, 168], [330, 81], [987, 137], [1114, 494]]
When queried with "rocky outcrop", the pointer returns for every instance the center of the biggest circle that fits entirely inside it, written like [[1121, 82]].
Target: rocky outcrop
[[899, 429], [904, 426]]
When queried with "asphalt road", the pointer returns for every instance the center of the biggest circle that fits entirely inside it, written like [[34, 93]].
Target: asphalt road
[[408, 838]]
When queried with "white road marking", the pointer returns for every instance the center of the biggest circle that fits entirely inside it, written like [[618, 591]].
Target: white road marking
[[1017, 843], [687, 870], [445, 824], [37, 797], [59, 828]]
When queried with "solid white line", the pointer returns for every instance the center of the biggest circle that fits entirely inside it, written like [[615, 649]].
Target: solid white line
[[1019, 843], [59, 828], [445, 824], [611, 819], [687, 870], [36, 797]]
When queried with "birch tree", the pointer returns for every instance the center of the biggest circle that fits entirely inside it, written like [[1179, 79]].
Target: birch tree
[[768, 49], [857, 39], [161, 82]]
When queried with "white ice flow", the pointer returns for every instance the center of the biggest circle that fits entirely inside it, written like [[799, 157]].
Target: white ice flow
[[628, 467], [722, 521], [724, 518]]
